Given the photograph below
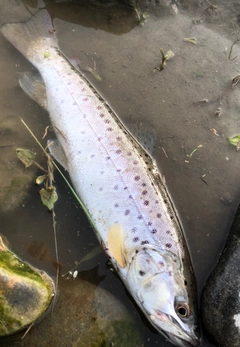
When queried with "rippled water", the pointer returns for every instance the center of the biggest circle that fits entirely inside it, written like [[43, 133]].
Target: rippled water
[[204, 186]]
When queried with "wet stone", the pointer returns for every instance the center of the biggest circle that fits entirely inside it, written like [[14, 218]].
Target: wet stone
[[221, 295], [25, 293], [84, 315]]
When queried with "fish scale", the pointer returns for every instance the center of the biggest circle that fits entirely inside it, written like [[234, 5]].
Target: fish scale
[[120, 174], [119, 185]]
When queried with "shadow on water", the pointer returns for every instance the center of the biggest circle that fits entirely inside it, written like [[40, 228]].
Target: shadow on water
[[204, 184]]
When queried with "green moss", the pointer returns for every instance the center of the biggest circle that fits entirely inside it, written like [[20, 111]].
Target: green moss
[[12, 264], [25, 293], [16, 185], [11, 195]]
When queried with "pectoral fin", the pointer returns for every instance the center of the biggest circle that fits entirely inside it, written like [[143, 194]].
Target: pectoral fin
[[58, 153], [116, 244]]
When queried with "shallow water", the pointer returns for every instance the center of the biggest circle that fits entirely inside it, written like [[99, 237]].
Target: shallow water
[[204, 186]]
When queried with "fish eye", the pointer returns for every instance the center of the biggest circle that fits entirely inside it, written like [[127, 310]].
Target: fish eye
[[183, 310]]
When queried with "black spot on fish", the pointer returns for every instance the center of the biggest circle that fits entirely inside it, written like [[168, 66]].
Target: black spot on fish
[[159, 215], [139, 217], [144, 192], [154, 231], [141, 273], [129, 154], [99, 107], [137, 178], [143, 184], [119, 138], [118, 151], [136, 239], [109, 129], [101, 115], [146, 202], [134, 229], [107, 121], [144, 242], [116, 205], [149, 223], [127, 212], [135, 162], [168, 232], [168, 245], [116, 187]]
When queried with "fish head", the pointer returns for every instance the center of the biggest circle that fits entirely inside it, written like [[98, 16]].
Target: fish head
[[156, 280]]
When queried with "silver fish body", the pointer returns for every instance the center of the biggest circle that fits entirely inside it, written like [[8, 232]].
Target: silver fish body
[[121, 188]]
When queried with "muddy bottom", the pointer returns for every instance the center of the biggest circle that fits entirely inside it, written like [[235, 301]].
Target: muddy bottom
[[193, 108]]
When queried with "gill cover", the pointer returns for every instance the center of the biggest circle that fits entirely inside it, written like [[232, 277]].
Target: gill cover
[[156, 280]]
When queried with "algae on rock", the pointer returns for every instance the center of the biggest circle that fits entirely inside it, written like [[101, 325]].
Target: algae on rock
[[25, 293]]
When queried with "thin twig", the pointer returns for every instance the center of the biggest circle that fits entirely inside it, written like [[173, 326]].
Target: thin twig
[[230, 52]]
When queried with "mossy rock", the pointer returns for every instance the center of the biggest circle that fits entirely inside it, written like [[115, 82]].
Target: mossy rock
[[25, 293]]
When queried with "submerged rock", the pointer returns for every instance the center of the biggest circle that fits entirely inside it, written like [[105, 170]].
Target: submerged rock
[[84, 315], [221, 295], [25, 293]]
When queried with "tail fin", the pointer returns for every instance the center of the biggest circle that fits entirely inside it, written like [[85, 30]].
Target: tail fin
[[32, 38]]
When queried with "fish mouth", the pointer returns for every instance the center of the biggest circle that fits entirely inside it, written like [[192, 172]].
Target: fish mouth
[[178, 337]]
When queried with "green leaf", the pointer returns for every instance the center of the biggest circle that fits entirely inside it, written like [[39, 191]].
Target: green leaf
[[48, 197], [26, 156], [234, 140]]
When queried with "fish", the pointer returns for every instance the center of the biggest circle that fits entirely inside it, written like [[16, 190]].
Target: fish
[[220, 297], [118, 182]]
